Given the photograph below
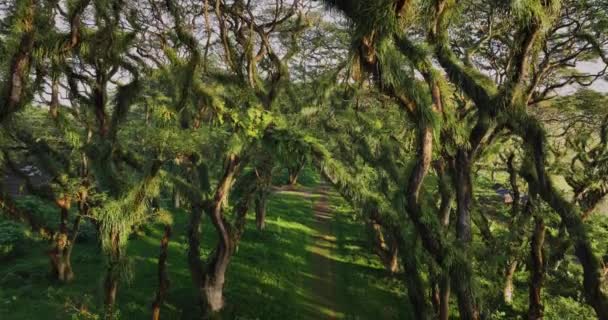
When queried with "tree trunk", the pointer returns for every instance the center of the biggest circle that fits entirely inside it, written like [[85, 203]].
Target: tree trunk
[[518, 239], [260, 210], [507, 291], [17, 76], [60, 255], [112, 275], [444, 298], [163, 278], [176, 199], [54, 105], [447, 196], [415, 285], [537, 267], [195, 263], [386, 248], [212, 281], [461, 273], [593, 277], [214, 277], [294, 172], [514, 187]]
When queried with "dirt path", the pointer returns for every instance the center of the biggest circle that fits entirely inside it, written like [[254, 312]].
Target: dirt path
[[321, 298], [323, 284]]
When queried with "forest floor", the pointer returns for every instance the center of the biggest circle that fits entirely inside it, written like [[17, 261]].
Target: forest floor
[[321, 249], [311, 262], [320, 279]]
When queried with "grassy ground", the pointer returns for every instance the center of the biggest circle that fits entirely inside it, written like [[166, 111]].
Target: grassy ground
[[266, 280]]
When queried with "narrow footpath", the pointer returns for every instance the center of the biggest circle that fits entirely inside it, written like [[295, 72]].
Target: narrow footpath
[[323, 285]]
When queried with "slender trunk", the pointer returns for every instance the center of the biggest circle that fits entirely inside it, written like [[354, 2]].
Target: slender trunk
[[415, 285], [514, 187], [536, 309], [194, 241], [14, 93], [430, 239], [112, 275], [176, 199], [163, 278], [260, 210], [435, 295], [60, 255], [507, 291], [512, 263], [518, 239], [54, 106], [447, 196], [386, 248], [464, 196], [444, 298], [461, 273], [294, 172]]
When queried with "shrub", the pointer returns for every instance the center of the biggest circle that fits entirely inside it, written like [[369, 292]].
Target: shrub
[[12, 237], [87, 232]]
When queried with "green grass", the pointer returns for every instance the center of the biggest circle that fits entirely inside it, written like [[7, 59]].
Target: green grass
[[267, 279], [365, 289]]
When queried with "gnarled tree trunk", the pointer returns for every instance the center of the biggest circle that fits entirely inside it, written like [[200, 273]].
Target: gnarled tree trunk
[[209, 279]]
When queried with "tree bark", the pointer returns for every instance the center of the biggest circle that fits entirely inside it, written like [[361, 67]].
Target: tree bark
[[210, 279], [461, 275], [537, 267], [444, 298], [513, 181], [592, 266], [112, 275], [507, 291], [60, 255], [513, 254], [176, 198], [163, 278], [17, 76], [260, 210], [415, 286], [294, 172], [194, 241], [447, 196], [214, 276], [386, 249]]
